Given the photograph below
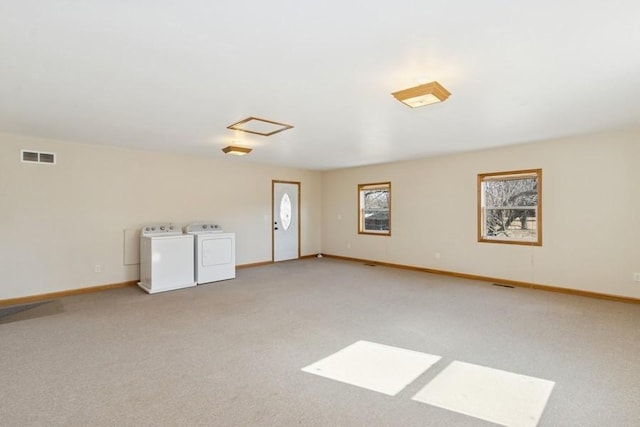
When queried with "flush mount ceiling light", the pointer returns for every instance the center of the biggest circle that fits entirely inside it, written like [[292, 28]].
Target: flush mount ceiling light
[[425, 94], [238, 151], [259, 126]]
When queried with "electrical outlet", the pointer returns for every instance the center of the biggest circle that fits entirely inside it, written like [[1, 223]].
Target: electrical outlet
[[636, 277], [437, 255], [349, 245], [97, 268]]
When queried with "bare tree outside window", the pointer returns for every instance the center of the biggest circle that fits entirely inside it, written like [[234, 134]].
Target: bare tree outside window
[[374, 208], [509, 207]]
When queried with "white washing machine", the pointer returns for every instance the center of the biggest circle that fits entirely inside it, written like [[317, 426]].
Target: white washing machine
[[214, 252], [166, 259]]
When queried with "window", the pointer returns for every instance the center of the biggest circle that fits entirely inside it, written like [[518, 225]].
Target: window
[[510, 207], [285, 211], [374, 208]]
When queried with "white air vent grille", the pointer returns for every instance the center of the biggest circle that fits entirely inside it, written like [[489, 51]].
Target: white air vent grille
[[30, 156]]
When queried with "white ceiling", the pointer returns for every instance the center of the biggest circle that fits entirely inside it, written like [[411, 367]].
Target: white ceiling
[[172, 75]]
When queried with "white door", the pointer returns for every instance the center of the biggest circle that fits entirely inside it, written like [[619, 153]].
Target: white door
[[285, 220]]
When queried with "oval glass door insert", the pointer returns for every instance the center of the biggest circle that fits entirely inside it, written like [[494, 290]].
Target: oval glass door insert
[[285, 211]]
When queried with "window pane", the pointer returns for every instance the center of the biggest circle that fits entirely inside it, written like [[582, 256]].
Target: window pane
[[509, 207], [374, 208], [285, 211]]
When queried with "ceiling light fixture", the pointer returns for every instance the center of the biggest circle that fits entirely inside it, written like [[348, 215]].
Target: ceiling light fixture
[[425, 94], [238, 151], [259, 126]]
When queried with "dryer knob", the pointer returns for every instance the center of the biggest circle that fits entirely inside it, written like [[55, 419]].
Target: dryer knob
[[162, 228], [204, 225]]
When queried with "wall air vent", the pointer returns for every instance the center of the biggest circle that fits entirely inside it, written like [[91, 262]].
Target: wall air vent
[[30, 156], [47, 158]]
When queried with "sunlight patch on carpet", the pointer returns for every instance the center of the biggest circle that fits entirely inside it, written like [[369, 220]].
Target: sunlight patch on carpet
[[489, 394], [373, 366]]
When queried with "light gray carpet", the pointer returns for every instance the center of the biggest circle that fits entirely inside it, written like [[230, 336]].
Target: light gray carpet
[[230, 354]]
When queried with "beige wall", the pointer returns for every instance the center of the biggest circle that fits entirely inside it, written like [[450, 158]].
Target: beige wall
[[58, 222], [591, 205]]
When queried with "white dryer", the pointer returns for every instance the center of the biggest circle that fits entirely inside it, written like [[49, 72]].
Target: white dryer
[[166, 259], [214, 252]]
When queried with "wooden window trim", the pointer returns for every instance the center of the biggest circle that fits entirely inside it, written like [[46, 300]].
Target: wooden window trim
[[503, 176], [373, 186]]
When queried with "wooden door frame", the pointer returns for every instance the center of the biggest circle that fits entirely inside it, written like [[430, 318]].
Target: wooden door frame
[[273, 191]]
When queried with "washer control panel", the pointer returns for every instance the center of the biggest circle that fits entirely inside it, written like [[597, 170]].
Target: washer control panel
[[202, 227], [160, 229]]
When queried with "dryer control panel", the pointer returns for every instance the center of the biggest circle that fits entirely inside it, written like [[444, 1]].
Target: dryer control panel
[[160, 230], [202, 227]]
